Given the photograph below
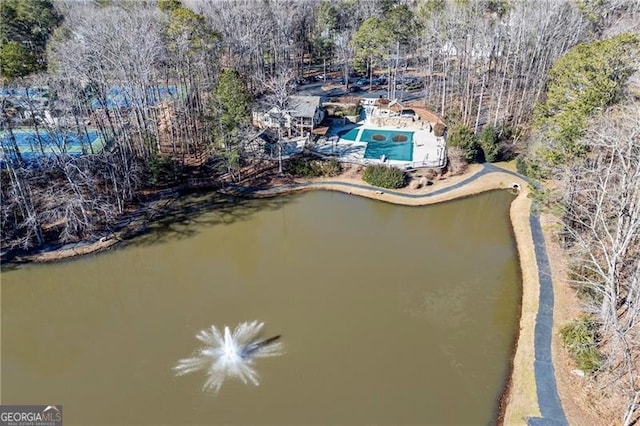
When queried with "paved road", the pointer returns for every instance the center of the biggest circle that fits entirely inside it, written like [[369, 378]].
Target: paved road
[[544, 372], [546, 388], [329, 183], [315, 89]]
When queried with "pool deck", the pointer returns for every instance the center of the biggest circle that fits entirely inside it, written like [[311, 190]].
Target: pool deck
[[428, 149]]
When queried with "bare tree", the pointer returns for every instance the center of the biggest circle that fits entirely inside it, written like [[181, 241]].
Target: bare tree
[[602, 224], [279, 88], [487, 63]]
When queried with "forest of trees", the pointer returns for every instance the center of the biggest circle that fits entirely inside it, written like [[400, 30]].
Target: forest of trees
[[553, 81], [585, 140]]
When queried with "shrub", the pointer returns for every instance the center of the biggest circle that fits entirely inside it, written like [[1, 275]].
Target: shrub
[[508, 133], [352, 110], [488, 140], [169, 5], [457, 162], [310, 168], [431, 174], [383, 176], [301, 167], [521, 166], [162, 170], [525, 166], [331, 167], [439, 129], [463, 137], [580, 339]]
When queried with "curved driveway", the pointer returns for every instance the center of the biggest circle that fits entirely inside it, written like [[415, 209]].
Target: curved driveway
[[546, 388]]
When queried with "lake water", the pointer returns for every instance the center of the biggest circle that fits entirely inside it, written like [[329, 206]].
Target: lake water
[[388, 314]]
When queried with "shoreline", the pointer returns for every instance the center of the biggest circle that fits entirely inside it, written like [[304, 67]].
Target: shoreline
[[518, 402], [131, 225], [136, 221]]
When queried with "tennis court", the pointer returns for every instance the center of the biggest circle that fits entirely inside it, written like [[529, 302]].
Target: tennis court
[[32, 144]]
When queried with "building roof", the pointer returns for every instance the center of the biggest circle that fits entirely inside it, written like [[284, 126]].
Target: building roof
[[275, 113], [304, 106]]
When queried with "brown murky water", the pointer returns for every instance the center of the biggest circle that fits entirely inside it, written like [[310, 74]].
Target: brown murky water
[[388, 314]]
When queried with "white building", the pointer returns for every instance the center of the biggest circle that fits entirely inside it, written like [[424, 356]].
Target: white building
[[302, 114]]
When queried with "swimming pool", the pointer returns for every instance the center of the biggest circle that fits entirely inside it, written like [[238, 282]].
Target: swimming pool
[[350, 134], [393, 144], [30, 146], [390, 150], [378, 135]]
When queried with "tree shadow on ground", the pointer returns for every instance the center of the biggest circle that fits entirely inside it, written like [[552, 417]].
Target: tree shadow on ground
[[7, 267], [350, 150], [186, 216]]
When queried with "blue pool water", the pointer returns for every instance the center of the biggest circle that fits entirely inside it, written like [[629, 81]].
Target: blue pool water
[[393, 144], [71, 143], [350, 134], [377, 135], [391, 150]]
